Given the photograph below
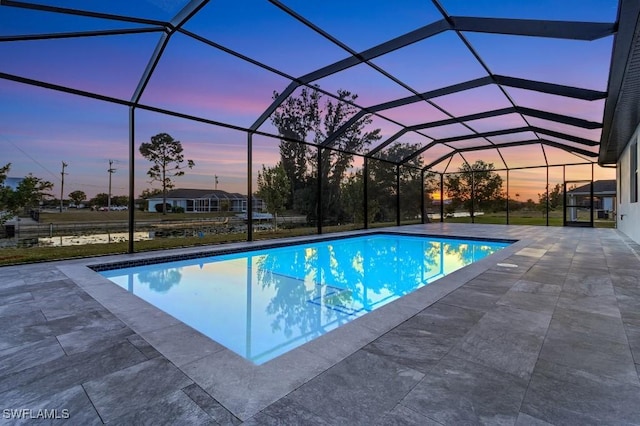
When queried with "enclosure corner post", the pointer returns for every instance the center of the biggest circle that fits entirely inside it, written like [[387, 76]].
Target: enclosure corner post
[[319, 195], [507, 196], [422, 196], [547, 195], [397, 195], [365, 189], [132, 189], [250, 187], [441, 197]]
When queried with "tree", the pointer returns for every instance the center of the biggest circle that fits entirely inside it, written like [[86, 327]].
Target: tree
[[120, 200], [150, 193], [554, 199], [30, 192], [274, 188], [101, 200], [167, 157], [77, 197], [6, 194], [295, 118], [487, 185], [383, 187], [306, 118]]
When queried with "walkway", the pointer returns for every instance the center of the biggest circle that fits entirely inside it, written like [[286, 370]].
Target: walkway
[[547, 333]]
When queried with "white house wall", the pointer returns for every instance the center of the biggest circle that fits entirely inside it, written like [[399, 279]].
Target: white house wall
[[628, 213]]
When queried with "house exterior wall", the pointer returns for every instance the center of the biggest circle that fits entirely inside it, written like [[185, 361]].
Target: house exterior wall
[[628, 219]]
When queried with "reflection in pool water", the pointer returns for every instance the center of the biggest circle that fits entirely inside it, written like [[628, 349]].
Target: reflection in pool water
[[261, 304]]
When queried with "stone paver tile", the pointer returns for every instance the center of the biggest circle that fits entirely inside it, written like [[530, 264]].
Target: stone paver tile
[[506, 339], [174, 409], [589, 283], [472, 298], [144, 346], [458, 391], [589, 353], [403, 416], [19, 358], [561, 395], [64, 372], [370, 382], [92, 338], [534, 302], [72, 406], [182, 344], [592, 324], [605, 305], [423, 340], [287, 412], [212, 407], [121, 392]]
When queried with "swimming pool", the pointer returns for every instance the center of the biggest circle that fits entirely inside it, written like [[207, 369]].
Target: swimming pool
[[263, 303]]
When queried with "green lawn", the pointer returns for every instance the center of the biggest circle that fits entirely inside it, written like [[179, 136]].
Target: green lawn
[[18, 255], [524, 218]]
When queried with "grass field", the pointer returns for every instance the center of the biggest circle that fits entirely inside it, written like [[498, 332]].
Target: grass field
[[16, 255]]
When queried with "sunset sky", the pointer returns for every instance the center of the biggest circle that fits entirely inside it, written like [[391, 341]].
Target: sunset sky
[[40, 128]]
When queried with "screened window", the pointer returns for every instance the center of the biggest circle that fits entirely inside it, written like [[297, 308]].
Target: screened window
[[633, 173]]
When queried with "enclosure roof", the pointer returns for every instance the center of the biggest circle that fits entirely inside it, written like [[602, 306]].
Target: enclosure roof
[[513, 83]]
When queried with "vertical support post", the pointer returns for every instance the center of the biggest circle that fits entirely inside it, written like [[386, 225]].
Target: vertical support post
[[564, 195], [507, 196], [441, 197], [397, 195], [64, 165], [249, 186], [547, 195], [473, 196], [132, 189], [591, 197], [365, 186], [319, 195], [422, 204]]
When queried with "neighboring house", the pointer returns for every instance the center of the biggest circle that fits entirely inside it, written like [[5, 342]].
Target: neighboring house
[[604, 195], [627, 174], [206, 200]]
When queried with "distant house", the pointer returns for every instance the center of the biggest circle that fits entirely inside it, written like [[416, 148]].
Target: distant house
[[604, 194], [206, 200]]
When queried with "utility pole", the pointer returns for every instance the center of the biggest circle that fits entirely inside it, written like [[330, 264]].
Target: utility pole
[[111, 171], [216, 181], [62, 173]]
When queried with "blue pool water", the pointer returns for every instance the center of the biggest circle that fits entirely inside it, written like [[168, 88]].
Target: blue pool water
[[263, 303]]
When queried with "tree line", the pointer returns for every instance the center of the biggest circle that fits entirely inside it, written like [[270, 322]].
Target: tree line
[[306, 120]]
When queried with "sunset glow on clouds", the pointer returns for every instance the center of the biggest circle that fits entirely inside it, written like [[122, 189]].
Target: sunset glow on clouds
[[40, 128]]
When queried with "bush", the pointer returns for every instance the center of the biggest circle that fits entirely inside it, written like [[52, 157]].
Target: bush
[[178, 210]]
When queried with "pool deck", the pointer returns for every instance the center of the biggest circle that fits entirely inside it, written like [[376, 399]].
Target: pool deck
[[546, 331]]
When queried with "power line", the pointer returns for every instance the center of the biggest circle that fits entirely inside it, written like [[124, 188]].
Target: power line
[[32, 159]]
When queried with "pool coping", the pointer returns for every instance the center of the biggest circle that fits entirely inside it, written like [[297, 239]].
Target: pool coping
[[239, 385]]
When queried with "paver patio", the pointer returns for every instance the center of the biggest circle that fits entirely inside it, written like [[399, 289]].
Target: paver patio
[[549, 332]]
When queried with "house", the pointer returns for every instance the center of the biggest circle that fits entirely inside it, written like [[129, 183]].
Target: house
[[206, 200], [604, 197]]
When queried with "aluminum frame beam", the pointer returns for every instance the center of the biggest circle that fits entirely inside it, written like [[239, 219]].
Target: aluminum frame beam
[[513, 144]]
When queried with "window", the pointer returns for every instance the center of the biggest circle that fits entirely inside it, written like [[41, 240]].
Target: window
[[633, 173]]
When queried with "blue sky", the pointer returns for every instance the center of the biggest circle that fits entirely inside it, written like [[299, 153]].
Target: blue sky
[[40, 128]]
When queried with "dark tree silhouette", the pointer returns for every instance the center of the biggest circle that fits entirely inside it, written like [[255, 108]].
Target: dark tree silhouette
[[167, 157]]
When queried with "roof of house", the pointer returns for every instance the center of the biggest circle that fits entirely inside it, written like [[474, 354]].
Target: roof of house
[[600, 187], [190, 193]]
